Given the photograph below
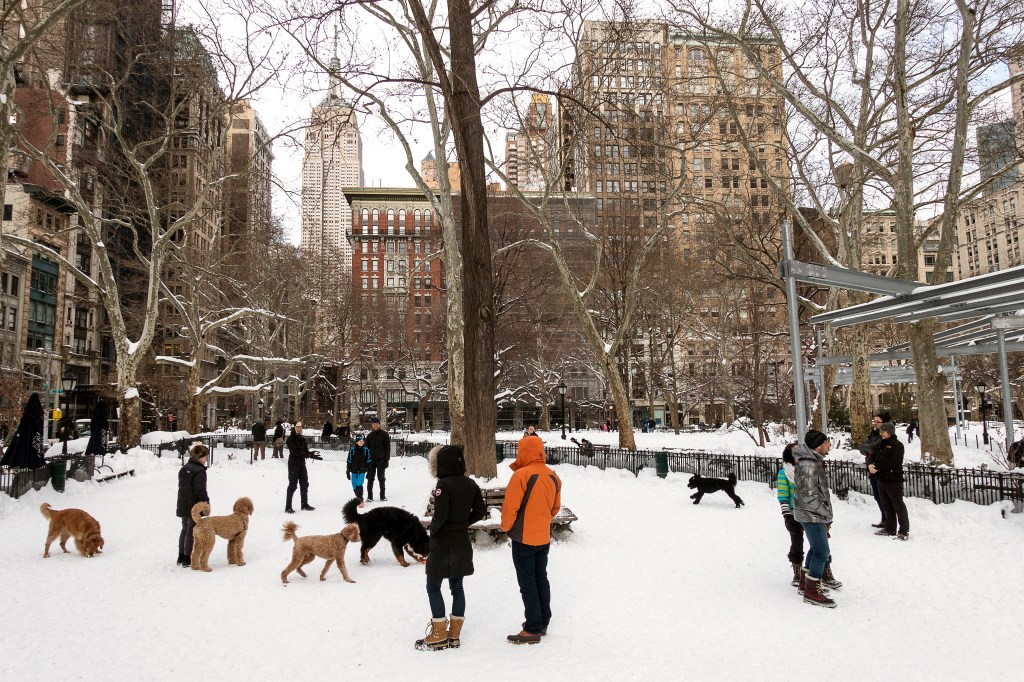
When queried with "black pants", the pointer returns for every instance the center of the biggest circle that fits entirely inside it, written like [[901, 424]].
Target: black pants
[[185, 538], [796, 539], [531, 563], [376, 471], [876, 495], [891, 493], [297, 477]]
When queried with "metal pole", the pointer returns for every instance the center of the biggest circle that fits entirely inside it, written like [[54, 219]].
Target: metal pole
[[794, 329], [822, 390], [563, 416], [956, 398], [46, 408], [1004, 377]]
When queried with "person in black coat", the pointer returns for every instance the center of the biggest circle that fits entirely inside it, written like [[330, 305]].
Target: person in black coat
[[278, 440], [868, 450], [458, 503], [259, 439], [887, 465], [328, 430], [298, 453], [379, 443], [191, 489]]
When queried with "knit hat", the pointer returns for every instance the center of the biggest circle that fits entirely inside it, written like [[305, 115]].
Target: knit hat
[[888, 427], [814, 438], [359, 437], [375, 420]]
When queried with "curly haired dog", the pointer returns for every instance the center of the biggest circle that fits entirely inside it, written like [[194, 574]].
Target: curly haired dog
[[398, 526], [330, 547], [232, 528], [713, 485], [72, 523]]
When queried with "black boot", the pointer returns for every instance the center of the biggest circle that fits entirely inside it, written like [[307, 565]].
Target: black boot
[[306, 507], [181, 558], [288, 505]]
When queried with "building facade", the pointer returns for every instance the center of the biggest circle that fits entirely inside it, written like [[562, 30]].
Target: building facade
[[531, 153]]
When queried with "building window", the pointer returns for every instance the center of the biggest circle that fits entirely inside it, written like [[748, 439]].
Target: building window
[[401, 221], [391, 221]]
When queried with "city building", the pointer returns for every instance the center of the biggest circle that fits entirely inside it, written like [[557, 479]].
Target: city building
[[428, 170], [531, 153], [997, 156], [247, 193]]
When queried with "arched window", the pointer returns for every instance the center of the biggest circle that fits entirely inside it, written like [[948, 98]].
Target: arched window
[[391, 221], [366, 220], [401, 221], [426, 220], [417, 217], [374, 221]]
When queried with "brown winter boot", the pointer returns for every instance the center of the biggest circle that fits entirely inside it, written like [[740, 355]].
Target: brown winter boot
[[829, 580], [437, 638], [797, 574], [454, 630], [813, 594]]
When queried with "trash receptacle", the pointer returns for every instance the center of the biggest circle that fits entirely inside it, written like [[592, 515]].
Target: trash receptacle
[[58, 474], [499, 451], [661, 464]]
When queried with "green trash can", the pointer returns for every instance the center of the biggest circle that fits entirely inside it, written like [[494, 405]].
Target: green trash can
[[661, 464], [499, 451], [58, 474]]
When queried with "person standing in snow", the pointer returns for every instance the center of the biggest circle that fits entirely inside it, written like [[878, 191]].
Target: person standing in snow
[[868, 450], [786, 494], [887, 465], [532, 498], [298, 453], [458, 503], [259, 439], [278, 440], [191, 489], [327, 431], [379, 443], [814, 512], [359, 462]]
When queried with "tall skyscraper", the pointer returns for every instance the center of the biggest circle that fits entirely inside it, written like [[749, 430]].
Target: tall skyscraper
[[531, 154], [247, 196], [333, 159]]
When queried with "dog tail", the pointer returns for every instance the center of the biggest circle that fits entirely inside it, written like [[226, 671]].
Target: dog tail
[[732, 478], [197, 510], [44, 509], [289, 531], [350, 512]]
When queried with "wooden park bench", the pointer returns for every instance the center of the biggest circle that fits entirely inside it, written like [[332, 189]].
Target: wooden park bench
[[493, 499]]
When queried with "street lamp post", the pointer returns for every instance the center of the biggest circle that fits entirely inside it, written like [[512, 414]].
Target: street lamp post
[[68, 382], [561, 392], [981, 386], [259, 409]]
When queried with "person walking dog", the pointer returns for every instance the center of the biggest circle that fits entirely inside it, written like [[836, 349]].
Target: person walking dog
[[458, 504], [191, 489], [532, 499]]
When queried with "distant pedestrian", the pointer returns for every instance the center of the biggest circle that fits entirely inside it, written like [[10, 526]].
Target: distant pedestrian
[[259, 440], [532, 498], [911, 430], [327, 431], [298, 453], [888, 467], [531, 430], [1015, 455], [191, 489], [360, 460], [379, 443], [458, 503], [814, 512], [278, 440]]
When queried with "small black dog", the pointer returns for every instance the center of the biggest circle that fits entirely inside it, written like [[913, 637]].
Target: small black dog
[[401, 528], [713, 485]]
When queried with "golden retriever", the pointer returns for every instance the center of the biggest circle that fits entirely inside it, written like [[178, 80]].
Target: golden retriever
[[330, 547], [232, 528], [72, 523]]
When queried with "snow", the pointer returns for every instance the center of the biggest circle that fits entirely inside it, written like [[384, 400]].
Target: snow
[[157, 437], [648, 587], [131, 394]]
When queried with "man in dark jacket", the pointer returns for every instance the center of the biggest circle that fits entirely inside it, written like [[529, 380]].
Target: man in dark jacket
[[191, 489], [887, 465], [458, 503], [278, 450], [868, 450], [379, 443], [327, 431], [259, 439], [814, 512], [298, 453]]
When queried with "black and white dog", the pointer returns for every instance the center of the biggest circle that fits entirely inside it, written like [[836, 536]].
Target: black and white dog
[[398, 526], [713, 485]]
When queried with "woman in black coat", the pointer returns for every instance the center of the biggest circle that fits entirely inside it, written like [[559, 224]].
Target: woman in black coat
[[887, 466], [191, 489], [458, 503]]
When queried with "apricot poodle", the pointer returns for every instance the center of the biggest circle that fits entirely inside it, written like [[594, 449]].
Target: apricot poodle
[[72, 523], [330, 547], [232, 528]]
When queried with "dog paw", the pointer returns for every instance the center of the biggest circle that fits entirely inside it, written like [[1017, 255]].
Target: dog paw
[[322, 579], [207, 569], [349, 580]]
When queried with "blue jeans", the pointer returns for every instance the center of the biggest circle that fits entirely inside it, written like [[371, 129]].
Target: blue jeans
[[532, 572], [818, 555], [437, 601]]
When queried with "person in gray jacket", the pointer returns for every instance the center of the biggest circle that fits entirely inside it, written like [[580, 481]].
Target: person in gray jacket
[[814, 512]]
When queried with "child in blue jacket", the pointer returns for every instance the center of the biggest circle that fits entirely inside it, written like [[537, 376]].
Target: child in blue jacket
[[359, 461]]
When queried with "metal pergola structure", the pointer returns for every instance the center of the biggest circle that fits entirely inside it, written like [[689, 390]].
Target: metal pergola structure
[[991, 297]]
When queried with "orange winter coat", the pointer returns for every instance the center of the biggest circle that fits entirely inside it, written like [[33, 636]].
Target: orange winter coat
[[533, 496]]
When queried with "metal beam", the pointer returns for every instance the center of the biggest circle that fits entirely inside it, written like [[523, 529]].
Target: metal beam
[[940, 352], [1007, 322], [794, 329], [831, 276]]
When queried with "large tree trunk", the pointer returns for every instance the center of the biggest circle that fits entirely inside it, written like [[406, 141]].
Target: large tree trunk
[[860, 389], [931, 387], [623, 408], [478, 286]]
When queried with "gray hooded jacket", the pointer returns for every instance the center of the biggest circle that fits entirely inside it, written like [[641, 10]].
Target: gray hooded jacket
[[813, 503]]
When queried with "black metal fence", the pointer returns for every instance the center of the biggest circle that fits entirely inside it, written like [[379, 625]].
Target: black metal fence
[[18, 481]]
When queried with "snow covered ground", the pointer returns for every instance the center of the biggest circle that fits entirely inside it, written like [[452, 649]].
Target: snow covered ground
[[648, 587]]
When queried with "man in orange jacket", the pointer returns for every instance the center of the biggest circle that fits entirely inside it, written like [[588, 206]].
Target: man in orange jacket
[[533, 497]]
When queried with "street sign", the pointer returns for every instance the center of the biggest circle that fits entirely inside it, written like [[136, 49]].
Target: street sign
[[56, 391]]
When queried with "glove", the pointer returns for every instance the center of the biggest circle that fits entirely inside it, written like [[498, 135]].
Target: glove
[[348, 475]]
